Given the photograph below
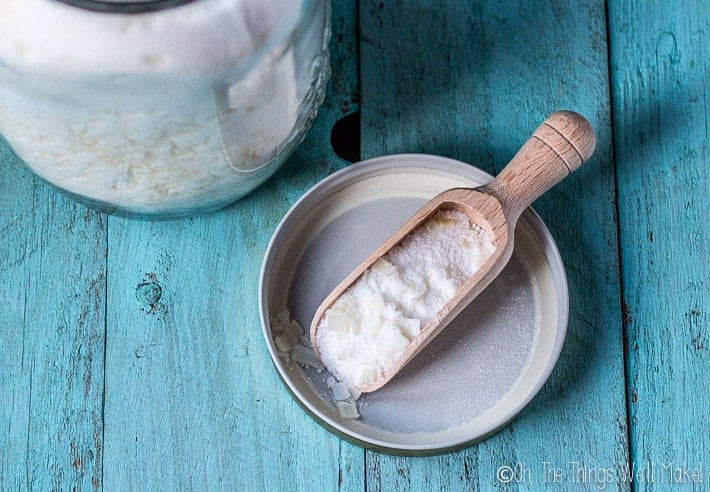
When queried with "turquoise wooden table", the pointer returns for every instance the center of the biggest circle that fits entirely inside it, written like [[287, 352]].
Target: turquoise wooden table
[[131, 353]]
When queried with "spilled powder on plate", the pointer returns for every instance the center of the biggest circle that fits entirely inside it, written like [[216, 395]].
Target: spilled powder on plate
[[293, 344], [368, 327]]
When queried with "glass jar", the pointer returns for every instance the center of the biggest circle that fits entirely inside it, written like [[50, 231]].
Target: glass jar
[[161, 108]]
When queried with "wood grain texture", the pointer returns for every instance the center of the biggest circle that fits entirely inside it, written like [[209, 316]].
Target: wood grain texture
[[661, 81], [192, 398], [471, 80], [52, 293]]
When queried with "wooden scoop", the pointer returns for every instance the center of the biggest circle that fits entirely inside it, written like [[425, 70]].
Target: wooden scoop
[[560, 145]]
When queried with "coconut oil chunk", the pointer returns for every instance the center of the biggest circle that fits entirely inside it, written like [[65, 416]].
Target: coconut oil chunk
[[369, 326]]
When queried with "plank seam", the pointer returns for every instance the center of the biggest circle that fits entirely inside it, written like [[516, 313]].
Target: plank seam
[[103, 393], [624, 338]]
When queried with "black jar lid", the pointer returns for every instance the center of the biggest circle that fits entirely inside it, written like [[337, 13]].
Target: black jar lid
[[125, 6]]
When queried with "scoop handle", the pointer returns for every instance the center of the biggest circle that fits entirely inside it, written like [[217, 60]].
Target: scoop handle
[[563, 142]]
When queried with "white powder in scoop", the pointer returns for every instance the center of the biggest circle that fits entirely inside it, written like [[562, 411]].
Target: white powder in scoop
[[371, 323]]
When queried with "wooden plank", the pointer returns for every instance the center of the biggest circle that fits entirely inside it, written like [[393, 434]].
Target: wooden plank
[[52, 286], [472, 80], [661, 82], [192, 398]]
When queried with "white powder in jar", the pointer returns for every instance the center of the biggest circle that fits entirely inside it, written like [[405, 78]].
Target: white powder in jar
[[162, 113], [368, 327]]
